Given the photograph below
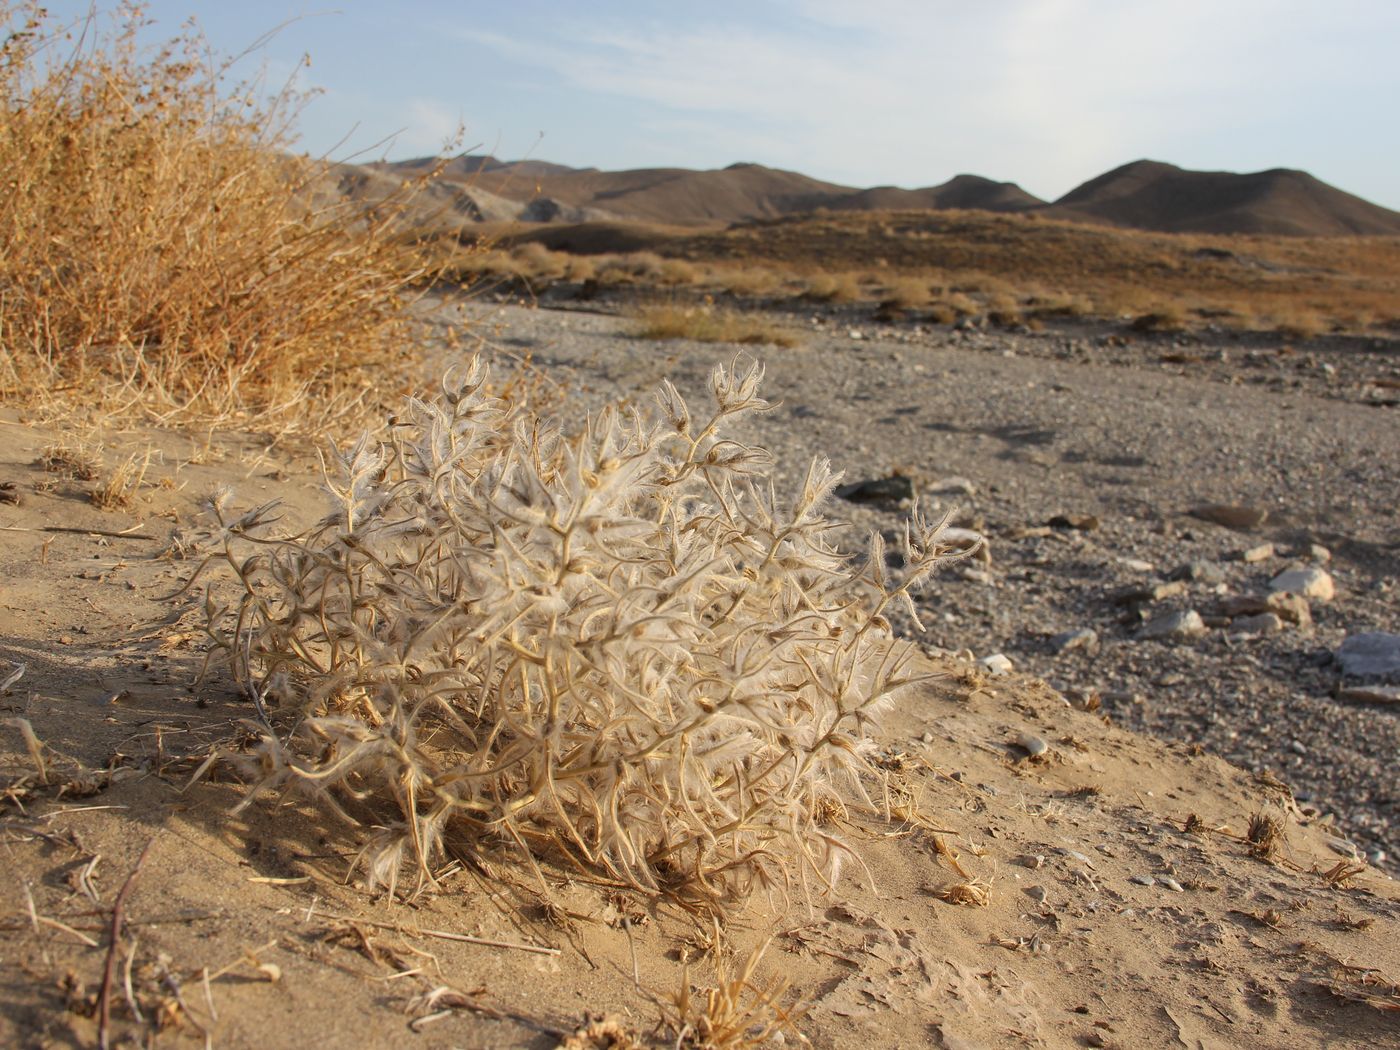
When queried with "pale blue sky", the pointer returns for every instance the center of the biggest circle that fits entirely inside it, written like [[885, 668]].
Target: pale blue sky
[[1046, 93]]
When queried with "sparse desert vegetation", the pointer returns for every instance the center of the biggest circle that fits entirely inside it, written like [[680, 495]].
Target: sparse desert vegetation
[[943, 266], [613, 646], [538, 703], [705, 322], [158, 249]]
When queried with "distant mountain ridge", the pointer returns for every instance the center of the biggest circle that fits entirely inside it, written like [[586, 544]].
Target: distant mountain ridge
[[1152, 195], [1144, 194]]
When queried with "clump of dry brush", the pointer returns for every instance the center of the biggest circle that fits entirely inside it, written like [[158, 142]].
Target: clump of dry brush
[[618, 647], [160, 248]]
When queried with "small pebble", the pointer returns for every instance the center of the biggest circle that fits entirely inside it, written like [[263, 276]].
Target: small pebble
[[1170, 883], [995, 664], [1143, 880], [1083, 638], [1033, 744]]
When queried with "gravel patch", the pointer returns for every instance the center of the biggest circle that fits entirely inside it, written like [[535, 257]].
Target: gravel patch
[[1082, 457]]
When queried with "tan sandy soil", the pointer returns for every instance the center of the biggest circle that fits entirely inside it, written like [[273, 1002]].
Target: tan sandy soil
[[242, 931]]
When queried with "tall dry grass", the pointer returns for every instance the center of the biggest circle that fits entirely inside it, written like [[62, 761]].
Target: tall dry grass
[[158, 245]]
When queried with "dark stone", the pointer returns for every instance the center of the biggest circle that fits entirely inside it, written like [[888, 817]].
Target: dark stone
[[894, 489], [1078, 522]]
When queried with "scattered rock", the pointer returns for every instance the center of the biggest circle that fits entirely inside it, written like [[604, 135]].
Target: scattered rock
[[952, 486], [1207, 572], [894, 489], [1170, 883], [1030, 860], [1253, 555], [1319, 554], [1033, 744], [1086, 698], [1083, 638], [1137, 565], [1231, 516], [1261, 623], [1142, 595], [1077, 522], [1310, 582], [1029, 532], [1143, 880], [1290, 607], [1371, 694], [1174, 627], [995, 664], [1373, 654], [1344, 848]]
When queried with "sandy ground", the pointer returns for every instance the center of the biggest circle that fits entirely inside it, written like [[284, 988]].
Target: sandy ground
[[1110, 894]]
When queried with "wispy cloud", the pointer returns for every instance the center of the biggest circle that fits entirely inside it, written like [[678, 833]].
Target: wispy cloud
[[430, 126], [1046, 92]]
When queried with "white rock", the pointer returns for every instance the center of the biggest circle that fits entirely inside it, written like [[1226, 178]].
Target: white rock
[[1263, 552], [1032, 743], [1137, 565], [1312, 583], [996, 664], [1174, 626], [1170, 883]]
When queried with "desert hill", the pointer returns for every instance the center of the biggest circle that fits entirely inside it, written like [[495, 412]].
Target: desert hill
[[1151, 195], [737, 193], [1144, 195], [961, 191]]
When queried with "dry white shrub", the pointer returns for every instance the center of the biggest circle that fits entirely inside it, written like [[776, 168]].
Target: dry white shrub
[[615, 644]]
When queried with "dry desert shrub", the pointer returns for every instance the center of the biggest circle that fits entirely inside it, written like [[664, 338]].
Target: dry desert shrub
[[630, 268], [905, 292], [749, 281], [707, 323], [159, 246], [678, 272], [833, 288], [738, 1012], [618, 648]]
